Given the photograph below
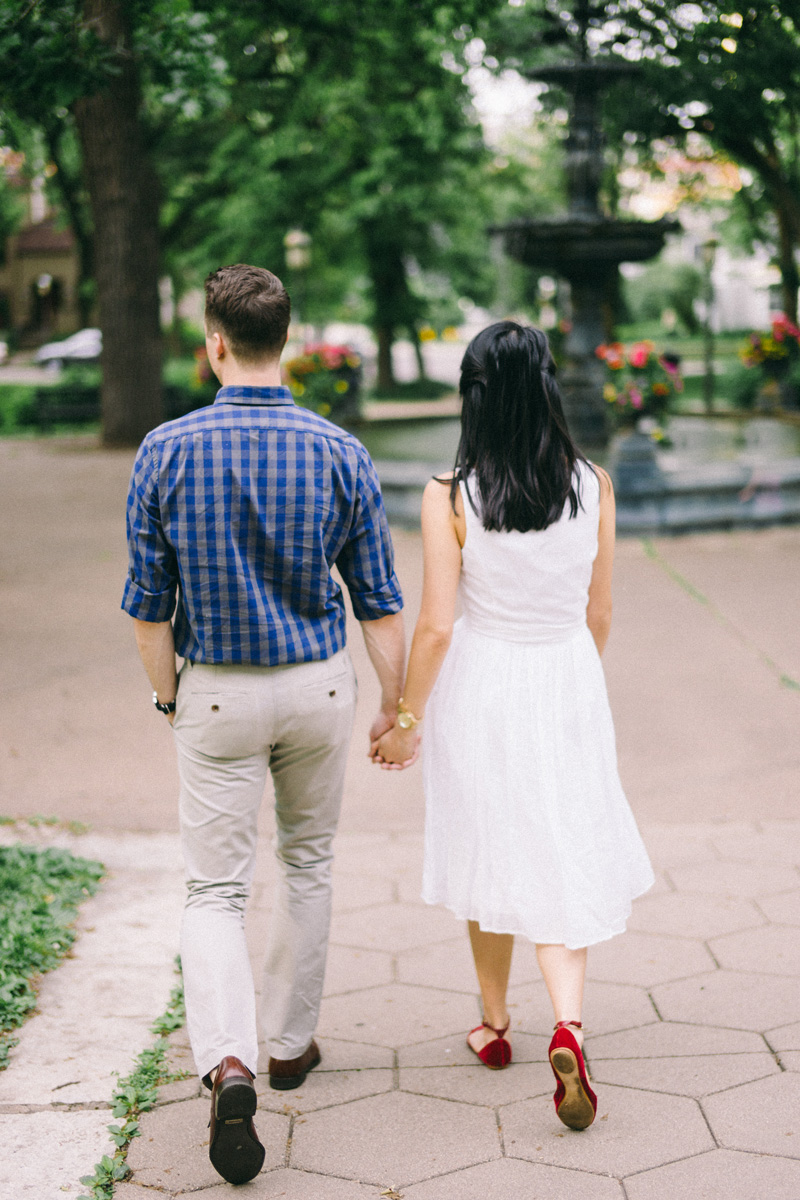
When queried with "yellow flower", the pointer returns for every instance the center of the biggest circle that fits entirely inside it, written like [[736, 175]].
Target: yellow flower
[[299, 389], [341, 386], [609, 393], [324, 409], [427, 334], [353, 360], [450, 334]]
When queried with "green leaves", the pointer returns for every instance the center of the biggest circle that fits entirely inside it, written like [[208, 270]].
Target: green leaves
[[40, 891]]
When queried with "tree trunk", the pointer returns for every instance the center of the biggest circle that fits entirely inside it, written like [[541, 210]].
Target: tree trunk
[[70, 188], [385, 336], [123, 193], [422, 373], [787, 263]]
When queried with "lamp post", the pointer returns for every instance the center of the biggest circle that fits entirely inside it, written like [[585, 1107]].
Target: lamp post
[[708, 252], [297, 244]]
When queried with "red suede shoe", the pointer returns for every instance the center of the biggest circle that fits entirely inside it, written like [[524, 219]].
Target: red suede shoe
[[495, 1054], [576, 1103]]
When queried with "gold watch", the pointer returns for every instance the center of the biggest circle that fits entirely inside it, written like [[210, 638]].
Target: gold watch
[[405, 717]]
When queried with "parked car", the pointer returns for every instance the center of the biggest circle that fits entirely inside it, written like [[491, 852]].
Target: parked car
[[84, 346]]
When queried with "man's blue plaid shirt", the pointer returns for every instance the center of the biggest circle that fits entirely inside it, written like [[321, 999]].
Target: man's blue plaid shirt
[[236, 514]]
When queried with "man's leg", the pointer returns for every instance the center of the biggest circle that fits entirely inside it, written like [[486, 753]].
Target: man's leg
[[308, 764], [222, 760]]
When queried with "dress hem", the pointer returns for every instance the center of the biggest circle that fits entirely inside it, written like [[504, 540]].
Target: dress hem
[[461, 915]]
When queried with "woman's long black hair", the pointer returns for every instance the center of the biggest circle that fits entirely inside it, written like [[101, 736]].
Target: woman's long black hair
[[514, 435]]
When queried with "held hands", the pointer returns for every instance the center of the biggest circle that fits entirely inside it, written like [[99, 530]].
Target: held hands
[[391, 747]]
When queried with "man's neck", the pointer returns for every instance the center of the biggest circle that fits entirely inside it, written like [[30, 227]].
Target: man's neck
[[233, 374]]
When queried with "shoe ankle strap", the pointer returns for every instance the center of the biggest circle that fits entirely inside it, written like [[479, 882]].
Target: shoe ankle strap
[[562, 1024], [499, 1032]]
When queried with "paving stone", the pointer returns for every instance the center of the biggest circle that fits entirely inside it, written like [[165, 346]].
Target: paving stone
[[729, 998], [379, 854], [454, 1051], [513, 1179], [349, 970], [669, 1039], [44, 1154], [770, 951], [719, 1175], [138, 991], [181, 1089], [396, 1139], [397, 1015], [322, 1089], [646, 959], [785, 1037], [692, 916], [696, 1075], [172, 1152], [633, 1130], [734, 879], [354, 892], [450, 965], [409, 885], [784, 908], [475, 1084], [790, 1060], [676, 845], [767, 845], [280, 1185], [762, 1116], [607, 1007], [62, 1061], [129, 904], [394, 927], [342, 1056]]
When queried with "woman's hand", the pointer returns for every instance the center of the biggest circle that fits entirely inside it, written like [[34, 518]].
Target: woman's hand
[[397, 749]]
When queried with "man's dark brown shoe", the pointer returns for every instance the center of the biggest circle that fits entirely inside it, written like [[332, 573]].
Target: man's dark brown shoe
[[234, 1148], [288, 1073]]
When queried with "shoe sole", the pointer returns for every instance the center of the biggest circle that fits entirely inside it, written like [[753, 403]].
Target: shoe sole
[[576, 1110], [286, 1083], [234, 1153]]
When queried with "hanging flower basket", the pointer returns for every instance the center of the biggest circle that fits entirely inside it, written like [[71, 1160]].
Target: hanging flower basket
[[775, 355], [640, 383]]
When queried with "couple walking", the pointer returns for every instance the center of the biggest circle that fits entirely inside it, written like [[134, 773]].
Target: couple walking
[[236, 515]]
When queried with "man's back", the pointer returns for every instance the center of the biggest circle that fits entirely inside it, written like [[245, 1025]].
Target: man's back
[[249, 503]]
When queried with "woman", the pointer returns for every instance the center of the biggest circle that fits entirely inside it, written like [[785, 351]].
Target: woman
[[527, 828]]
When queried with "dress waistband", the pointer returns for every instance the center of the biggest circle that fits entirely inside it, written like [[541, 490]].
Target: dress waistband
[[531, 635]]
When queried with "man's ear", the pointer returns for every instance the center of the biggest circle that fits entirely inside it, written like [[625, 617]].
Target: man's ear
[[218, 343]]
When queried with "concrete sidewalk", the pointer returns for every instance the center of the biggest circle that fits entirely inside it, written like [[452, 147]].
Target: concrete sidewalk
[[692, 1016]]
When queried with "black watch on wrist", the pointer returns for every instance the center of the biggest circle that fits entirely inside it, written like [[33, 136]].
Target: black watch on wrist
[[164, 708]]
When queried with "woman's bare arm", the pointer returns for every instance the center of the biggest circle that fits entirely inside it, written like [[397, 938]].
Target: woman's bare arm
[[598, 610]]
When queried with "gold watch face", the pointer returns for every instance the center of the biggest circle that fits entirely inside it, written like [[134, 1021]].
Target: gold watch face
[[405, 720]]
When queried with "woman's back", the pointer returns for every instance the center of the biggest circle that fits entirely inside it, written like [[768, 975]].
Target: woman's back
[[530, 587]]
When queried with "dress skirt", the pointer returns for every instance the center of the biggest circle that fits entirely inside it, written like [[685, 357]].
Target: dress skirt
[[527, 828]]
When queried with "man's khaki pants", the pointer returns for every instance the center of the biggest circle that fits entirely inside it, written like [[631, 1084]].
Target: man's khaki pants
[[232, 725]]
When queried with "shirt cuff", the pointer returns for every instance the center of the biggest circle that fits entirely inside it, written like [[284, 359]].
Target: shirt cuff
[[371, 606], [148, 606]]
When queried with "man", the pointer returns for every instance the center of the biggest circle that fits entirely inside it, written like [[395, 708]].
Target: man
[[236, 515]]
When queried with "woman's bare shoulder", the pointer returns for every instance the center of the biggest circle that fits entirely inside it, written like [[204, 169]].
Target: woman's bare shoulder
[[604, 479]]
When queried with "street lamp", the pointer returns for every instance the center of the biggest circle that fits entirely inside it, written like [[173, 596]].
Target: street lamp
[[297, 244], [708, 252]]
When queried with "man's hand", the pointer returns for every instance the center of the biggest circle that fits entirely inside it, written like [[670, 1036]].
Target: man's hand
[[381, 725], [397, 749]]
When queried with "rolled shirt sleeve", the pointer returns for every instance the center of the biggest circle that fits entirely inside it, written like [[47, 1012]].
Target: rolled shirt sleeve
[[151, 588], [366, 561]]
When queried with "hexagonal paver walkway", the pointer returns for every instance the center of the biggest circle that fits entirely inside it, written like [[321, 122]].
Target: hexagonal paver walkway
[[692, 1038], [693, 1017]]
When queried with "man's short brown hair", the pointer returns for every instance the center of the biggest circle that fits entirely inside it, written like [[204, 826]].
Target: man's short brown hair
[[251, 307]]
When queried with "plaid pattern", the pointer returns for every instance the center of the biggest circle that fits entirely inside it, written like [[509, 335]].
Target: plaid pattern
[[236, 514]]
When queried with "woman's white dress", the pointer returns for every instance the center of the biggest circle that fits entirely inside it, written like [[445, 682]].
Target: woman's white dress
[[527, 828]]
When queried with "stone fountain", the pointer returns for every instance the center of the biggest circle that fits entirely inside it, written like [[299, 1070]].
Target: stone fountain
[[584, 246]]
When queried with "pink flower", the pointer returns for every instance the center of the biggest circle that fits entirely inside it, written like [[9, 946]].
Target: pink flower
[[636, 397], [639, 354]]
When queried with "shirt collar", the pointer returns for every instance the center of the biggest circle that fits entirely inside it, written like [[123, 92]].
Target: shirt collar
[[254, 395]]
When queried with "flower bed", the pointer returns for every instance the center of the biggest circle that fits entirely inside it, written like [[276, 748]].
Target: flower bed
[[326, 379], [640, 383]]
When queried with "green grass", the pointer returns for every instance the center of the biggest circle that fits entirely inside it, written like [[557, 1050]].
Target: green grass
[[40, 891], [135, 1094]]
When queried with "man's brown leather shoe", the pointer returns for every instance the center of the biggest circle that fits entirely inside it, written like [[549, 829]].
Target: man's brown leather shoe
[[288, 1073], [234, 1148]]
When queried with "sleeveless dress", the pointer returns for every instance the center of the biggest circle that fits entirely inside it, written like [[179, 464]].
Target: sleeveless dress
[[527, 829]]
